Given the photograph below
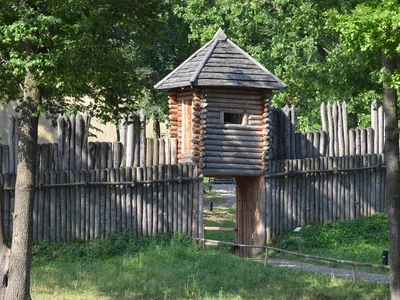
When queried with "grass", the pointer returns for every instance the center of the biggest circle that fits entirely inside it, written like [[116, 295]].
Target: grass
[[360, 240], [172, 267]]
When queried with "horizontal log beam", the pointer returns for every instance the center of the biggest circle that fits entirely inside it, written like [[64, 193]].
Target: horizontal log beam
[[233, 132], [236, 154], [233, 138], [235, 110], [208, 172], [235, 143], [220, 148], [232, 160], [236, 127], [232, 166]]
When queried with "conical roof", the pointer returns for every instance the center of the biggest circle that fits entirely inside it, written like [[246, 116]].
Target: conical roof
[[221, 63]]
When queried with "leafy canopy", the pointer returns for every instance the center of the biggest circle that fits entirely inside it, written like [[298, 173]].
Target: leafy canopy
[[77, 48]]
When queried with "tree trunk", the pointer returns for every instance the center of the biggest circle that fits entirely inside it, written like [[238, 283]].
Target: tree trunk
[[392, 162], [16, 283]]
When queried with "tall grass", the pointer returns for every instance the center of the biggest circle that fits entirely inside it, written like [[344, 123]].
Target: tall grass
[[361, 240], [172, 267]]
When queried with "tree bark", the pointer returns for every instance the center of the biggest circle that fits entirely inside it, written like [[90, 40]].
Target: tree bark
[[16, 283], [392, 161]]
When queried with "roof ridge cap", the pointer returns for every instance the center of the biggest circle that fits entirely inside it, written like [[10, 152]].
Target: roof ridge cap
[[220, 35]]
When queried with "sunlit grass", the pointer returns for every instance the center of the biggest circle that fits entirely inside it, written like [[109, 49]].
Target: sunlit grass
[[172, 267]]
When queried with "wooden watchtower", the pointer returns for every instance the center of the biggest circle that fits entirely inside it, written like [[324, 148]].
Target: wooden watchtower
[[219, 112]]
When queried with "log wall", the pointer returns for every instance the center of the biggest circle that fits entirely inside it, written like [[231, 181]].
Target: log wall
[[234, 149], [99, 203]]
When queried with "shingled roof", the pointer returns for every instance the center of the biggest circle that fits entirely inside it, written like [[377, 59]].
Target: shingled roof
[[221, 62]]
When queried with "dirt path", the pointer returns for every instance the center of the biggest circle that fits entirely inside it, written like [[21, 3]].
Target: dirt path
[[228, 192]]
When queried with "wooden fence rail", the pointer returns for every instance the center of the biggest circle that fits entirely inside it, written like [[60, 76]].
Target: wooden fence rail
[[318, 190], [91, 204]]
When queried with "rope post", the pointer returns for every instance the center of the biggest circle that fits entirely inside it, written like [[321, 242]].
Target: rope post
[[353, 266], [266, 257]]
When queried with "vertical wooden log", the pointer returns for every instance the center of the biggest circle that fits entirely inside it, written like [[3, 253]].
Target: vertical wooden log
[[85, 141], [161, 150], [167, 142], [316, 144], [5, 159], [97, 205], [363, 141], [317, 189], [370, 141], [331, 133], [324, 120], [155, 200], [149, 151], [345, 128], [174, 150], [130, 140], [287, 134], [148, 202], [269, 201], [81, 204], [118, 204], [113, 202], [162, 204], [103, 205], [292, 130], [140, 201], [76, 230], [118, 150], [91, 155], [374, 200], [108, 204], [177, 203], [79, 134], [72, 143], [60, 140], [357, 183], [353, 187], [71, 206], [155, 152], [170, 208], [128, 199], [136, 159], [64, 213], [123, 130], [381, 128], [341, 138], [134, 189], [290, 200], [142, 160], [122, 188], [374, 125]]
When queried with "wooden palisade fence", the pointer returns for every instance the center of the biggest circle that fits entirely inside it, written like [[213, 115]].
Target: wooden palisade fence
[[73, 151], [333, 174], [323, 189], [91, 204], [335, 138]]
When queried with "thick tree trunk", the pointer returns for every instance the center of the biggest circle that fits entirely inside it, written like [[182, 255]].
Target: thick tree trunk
[[17, 283], [392, 162]]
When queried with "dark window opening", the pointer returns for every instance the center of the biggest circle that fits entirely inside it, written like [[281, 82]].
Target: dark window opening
[[233, 118]]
